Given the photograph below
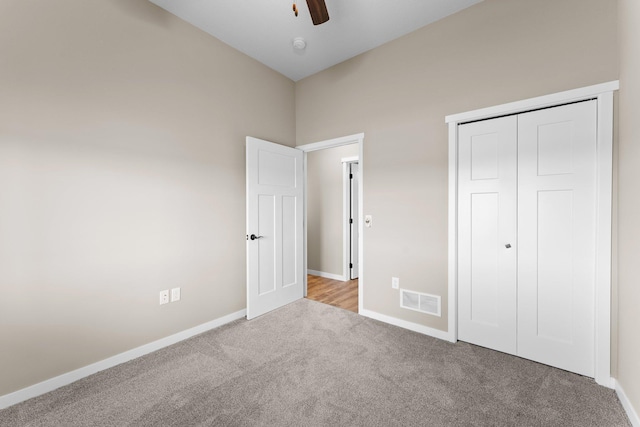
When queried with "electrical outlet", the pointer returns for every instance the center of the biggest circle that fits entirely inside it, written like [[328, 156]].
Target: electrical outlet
[[164, 297], [395, 283], [175, 294]]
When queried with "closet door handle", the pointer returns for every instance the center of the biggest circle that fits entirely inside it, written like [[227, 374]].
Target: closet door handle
[[508, 246], [254, 237]]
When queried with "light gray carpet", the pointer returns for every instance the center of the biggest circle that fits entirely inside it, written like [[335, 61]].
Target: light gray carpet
[[311, 364]]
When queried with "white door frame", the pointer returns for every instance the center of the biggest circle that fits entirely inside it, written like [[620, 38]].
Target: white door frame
[[604, 95], [346, 214], [331, 143]]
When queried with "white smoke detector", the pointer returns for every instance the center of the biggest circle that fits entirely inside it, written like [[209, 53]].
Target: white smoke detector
[[299, 43]]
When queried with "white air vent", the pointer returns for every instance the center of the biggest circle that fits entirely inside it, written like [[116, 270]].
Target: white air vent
[[423, 303]]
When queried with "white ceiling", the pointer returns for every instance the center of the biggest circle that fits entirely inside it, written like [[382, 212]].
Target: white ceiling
[[265, 29]]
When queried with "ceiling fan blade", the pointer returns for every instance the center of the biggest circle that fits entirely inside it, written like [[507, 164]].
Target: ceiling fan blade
[[318, 11]]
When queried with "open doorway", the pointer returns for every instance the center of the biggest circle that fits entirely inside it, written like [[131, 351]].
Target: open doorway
[[333, 222]]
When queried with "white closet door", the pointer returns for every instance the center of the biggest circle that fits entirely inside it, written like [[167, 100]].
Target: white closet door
[[556, 236], [486, 226]]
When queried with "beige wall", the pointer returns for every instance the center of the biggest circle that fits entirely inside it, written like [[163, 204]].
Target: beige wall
[[629, 203], [122, 160], [398, 95], [121, 174], [324, 204]]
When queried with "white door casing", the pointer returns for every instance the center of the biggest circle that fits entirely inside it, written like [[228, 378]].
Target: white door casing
[[486, 225], [349, 211], [353, 207], [275, 254], [603, 94], [556, 236], [338, 142]]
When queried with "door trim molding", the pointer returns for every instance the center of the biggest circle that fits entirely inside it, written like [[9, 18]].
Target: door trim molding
[[604, 95], [357, 138], [335, 142], [545, 101], [346, 227]]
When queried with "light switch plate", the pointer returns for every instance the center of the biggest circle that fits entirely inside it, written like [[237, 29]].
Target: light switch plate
[[175, 294], [368, 221]]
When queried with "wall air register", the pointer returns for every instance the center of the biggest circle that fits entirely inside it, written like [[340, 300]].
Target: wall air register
[[424, 303]]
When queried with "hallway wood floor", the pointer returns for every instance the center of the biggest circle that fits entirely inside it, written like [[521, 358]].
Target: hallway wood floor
[[333, 292]]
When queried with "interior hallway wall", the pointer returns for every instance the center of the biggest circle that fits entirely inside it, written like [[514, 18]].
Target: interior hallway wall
[[122, 173], [324, 208], [495, 52]]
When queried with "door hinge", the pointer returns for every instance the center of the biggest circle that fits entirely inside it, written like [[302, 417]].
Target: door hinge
[[350, 176], [350, 265], [350, 220]]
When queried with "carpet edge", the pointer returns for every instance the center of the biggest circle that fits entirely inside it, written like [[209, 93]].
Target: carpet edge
[[70, 377]]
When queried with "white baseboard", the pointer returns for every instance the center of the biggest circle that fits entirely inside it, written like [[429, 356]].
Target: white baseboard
[[436, 333], [628, 407], [65, 379], [326, 275], [609, 382]]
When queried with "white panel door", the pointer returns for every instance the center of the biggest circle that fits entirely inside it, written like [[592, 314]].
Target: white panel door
[[556, 236], [275, 275], [487, 233], [354, 170]]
